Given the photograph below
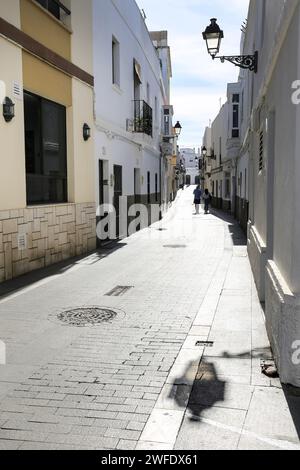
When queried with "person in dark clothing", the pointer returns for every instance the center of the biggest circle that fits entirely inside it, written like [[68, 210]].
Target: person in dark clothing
[[197, 198], [207, 199]]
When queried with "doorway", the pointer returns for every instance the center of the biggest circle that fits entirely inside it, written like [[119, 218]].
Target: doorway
[[103, 193], [118, 190]]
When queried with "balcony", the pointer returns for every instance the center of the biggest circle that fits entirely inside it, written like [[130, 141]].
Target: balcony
[[55, 7], [143, 118]]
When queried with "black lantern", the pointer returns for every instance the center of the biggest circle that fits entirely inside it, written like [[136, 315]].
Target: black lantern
[[8, 109], [213, 36], [204, 151], [177, 128], [86, 132]]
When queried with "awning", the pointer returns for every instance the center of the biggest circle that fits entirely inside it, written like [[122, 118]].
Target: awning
[[138, 70]]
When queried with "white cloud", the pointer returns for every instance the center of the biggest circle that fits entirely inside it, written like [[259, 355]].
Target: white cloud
[[198, 81]]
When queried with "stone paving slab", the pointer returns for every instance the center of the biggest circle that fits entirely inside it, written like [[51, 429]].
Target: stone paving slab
[[128, 384], [95, 387]]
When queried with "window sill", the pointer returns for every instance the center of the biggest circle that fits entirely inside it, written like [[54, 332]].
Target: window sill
[[56, 20], [117, 89], [49, 204]]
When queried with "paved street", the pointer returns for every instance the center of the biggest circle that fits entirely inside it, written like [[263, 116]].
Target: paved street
[[139, 380]]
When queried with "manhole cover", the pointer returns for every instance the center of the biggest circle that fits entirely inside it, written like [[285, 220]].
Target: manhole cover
[[86, 316]]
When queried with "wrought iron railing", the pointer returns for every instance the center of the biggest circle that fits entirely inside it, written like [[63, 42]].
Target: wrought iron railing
[[143, 118], [54, 7]]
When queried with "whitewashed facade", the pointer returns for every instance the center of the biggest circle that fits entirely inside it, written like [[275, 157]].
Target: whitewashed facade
[[272, 136], [129, 98], [191, 161], [265, 169], [225, 172]]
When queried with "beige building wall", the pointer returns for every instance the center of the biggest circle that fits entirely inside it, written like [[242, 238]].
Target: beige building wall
[[46, 81], [37, 236], [44, 28], [12, 161], [82, 37], [10, 11], [83, 152]]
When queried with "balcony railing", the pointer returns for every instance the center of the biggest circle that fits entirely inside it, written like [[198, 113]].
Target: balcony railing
[[143, 118], [54, 7]]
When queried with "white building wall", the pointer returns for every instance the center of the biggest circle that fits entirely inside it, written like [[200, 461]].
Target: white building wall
[[274, 30], [115, 142]]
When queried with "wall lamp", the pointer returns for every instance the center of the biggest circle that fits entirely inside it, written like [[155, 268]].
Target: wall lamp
[[86, 132], [177, 129], [213, 36], [8, 109]]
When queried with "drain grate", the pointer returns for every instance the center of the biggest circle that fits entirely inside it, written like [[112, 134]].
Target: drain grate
[[205, 344], [86, 316], [118, 291]]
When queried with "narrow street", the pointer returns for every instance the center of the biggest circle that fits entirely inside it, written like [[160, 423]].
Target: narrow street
[[141, 380]]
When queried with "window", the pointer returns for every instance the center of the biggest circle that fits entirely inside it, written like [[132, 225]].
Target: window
[[148, 188], [156, 110], [54, 7], [227, 188], [235, 116], [166, 122], [156, 187], [115, 62], [45, 150], [220, 147]]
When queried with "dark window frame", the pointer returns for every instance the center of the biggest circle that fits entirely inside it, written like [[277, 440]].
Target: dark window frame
[[62, 176]]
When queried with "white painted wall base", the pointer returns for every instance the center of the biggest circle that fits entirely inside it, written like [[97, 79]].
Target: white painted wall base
[[258, 260], [283, 325]]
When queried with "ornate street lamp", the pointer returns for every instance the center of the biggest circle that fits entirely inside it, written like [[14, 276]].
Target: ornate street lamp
[[204, 151], [8, 109], [213, 36], [178, 129]]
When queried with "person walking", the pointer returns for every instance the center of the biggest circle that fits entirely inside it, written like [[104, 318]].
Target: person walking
[[207, 199], [197, 198]]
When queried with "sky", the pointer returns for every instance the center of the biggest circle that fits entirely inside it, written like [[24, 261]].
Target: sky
[[198, 82]]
